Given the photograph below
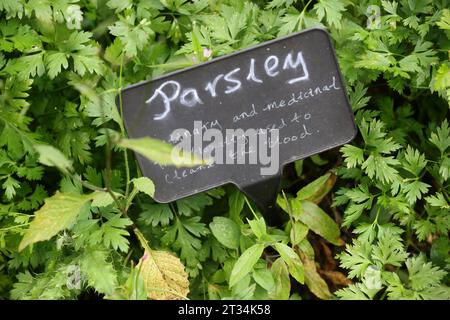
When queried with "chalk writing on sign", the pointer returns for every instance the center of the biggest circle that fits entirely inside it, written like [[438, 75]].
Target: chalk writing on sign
[[171, 90], [302, 130], [291, 85]]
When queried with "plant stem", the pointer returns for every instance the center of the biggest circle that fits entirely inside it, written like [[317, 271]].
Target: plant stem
[[122, 129]]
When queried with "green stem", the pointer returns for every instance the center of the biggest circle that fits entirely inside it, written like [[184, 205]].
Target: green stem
[[128, 257], [251, 209], [133, 193], [122, 129], [142, 240], [303, 13], [14, 227]]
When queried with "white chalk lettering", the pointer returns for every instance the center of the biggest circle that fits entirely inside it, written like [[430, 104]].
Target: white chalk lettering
[[270, 67], [190, 98], [172, 92], [251, 73], [211, 86], [166, 99], [237, 83], [288, 63]]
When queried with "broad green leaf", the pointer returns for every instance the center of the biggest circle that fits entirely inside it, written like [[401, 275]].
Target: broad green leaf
[[423, 274], [245, 263], [279, 3], [236, 202], [226, 231], [119, 5], [144, 184], [264, 278], [161, 152], [316, 190], [298, 232], [290, 205], [321, 223], [258, 226], [306, 248], [102, 199], [293, 261], [282, 288], [58, 213], [164, 276], [52, 157], [298, 167]]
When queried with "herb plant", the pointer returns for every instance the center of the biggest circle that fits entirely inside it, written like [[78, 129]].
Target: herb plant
[[77, 219]]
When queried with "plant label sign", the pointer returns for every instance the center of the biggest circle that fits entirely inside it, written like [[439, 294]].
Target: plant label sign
[[252, 111]]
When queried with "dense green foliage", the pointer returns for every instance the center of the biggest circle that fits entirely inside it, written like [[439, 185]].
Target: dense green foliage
[[368, 221]]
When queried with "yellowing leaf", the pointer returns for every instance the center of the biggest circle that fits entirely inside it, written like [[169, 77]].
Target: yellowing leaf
[[58, 213], [321, 223], [316, 190], [313, 280], [164, 276]]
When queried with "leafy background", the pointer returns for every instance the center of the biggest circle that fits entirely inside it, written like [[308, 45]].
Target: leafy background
[[368, 221]]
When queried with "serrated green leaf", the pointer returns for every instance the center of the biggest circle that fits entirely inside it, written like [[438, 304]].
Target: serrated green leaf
[[56, 62], [353, 155], [331, 10], [99, 272], [441, 138], [58, 213]]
